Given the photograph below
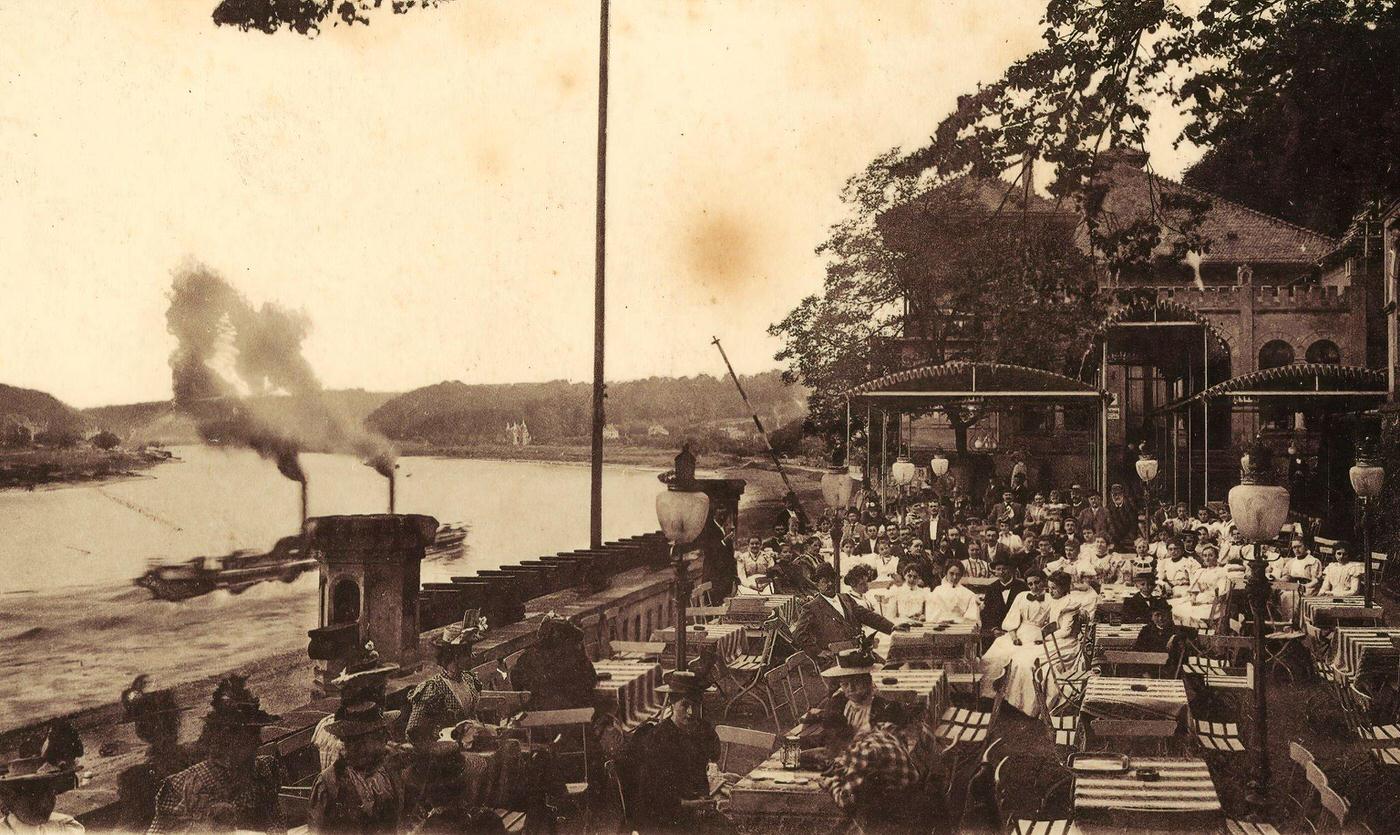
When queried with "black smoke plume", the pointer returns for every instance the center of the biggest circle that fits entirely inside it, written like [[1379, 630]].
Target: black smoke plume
[[231, 357]]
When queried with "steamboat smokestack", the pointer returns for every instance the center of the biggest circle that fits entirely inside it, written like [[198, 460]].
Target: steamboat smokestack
[[391, 491], [304, 507]]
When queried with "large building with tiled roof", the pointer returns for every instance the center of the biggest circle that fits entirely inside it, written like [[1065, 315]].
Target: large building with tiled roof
[[1259, 293]]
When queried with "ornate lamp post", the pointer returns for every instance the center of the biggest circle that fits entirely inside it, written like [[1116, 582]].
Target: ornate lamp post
[[682, 509], [1367, 477], [1259, 511], [1147, 471], [837, 487]]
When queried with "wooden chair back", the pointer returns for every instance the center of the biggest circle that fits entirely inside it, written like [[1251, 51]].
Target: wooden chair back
[[491, 675], [511, 660], [780, 696], [706, 614], [1330, 804], [556, 725], [502, 703], [1151, 664], [801, 700], [700, 595], [741, 750]]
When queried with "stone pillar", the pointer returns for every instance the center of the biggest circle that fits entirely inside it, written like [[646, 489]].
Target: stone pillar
[[370, 576]]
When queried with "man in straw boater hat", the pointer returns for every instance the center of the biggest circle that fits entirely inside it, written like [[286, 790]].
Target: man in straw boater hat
[[233, 788], [450, 696], [855, 707], [363, 791], [364, 679], [30, 786], [155, 716], [665, 763]]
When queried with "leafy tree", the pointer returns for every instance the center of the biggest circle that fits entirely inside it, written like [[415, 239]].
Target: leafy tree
[[105, 440], [962, 268], [1297, 97], [58, 438]]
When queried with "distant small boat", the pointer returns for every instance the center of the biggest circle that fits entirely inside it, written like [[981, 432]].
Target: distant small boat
[[234, 572], [448, 544]]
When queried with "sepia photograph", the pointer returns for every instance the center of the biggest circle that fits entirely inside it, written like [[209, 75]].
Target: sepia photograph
[[806, 417]]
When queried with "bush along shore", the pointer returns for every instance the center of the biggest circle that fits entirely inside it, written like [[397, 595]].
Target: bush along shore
[[29, 469]]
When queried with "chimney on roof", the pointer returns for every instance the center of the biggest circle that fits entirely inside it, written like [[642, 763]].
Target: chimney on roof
[[1131, 157]]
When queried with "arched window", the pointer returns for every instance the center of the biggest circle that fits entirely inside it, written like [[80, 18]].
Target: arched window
[[1274, 354], [345, 602], [1325, 351]]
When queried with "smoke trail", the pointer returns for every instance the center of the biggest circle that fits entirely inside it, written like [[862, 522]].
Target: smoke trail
[[231, 355], [1193, 260]]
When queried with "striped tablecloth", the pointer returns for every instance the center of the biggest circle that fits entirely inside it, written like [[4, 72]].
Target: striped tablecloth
[[772, 790], [728, 637], [916, 642], [753, 609], [632, 684], [1309, 607], [1112, 697], [1357, 649], [931, 686], [1122, 636], [1183, 786]]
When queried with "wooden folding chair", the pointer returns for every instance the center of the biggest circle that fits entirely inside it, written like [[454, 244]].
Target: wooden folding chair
[[491, 675], [1062, 723], [550, 724], [744, 674], [780, 697], [1218, 737], [501, 704], [701, 615], [1330, 814], [1034, 795]]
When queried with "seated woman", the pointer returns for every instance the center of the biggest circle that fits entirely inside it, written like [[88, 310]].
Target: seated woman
[[754, 564], [854, 708], [857, 585], [910, 599], [450, 696], [1343, 577], [1020, 632], [1072, 563], [1302, 568], [950, 601], [556, 670], [665, 763], [1194, 604]]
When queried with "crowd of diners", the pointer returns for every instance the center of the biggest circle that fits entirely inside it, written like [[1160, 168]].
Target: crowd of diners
[[1040, 565]]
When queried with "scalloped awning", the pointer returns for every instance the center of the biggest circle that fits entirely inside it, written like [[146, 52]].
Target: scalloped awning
[[962, 380], [1301, 380], [1152, 326]]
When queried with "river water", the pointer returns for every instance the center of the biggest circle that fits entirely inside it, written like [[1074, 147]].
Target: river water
[[74, 631]]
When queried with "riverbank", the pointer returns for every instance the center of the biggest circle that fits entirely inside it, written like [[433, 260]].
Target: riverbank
[[613, 453], [30, 469]]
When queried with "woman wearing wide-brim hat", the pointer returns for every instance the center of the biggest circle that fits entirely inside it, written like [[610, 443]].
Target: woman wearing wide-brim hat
[[234, 787], [156, 717], [365, 679], [364, 789], [29, 788], [665, 763], [450, 696]]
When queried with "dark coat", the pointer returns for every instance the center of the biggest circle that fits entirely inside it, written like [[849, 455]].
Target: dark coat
[[994, 608], [836, 732], [1095, 519], [1137, 608], [1122, 525], [336, 805], [719, 568], [558, 675], [661, 766], [819, 625], [1015, 512]]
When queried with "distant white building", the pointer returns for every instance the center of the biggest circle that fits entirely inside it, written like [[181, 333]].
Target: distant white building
[[656, 430], [610, 433], [518, 434]]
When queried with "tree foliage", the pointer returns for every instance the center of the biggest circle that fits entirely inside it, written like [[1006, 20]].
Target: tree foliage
[[105, 440], [964, 268], [1299, 94], [306, 17]]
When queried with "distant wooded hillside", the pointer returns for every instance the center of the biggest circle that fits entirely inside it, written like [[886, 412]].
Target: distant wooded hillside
[[32, 413], [451, 413], [160, 422]]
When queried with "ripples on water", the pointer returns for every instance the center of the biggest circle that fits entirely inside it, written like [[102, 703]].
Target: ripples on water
[[75, 631]]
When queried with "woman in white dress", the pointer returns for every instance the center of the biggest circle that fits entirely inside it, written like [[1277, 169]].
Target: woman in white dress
[[911, 598], [1343, 577], [1067, 612], [1195, 602], [1020, 632], [1301, 568], [754, 565], [950, 601]]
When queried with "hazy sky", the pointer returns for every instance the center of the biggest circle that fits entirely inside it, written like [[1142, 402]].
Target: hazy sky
[[424, 188]]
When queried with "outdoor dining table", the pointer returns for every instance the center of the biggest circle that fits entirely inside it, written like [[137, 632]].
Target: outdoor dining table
[[915, 643], [1117, 636], [631, 685], [1310, 607], [1364, 649], [929, 687], [1182, 797], [728, 638], [773, 792], [752, 609], [1112, 697], [1111, 597]]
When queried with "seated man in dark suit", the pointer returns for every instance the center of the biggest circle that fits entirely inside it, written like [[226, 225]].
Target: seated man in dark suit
[[1138, 606], [833, 618], [996, 601]]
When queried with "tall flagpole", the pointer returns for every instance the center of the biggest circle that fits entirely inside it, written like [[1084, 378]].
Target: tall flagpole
[[595, 505]]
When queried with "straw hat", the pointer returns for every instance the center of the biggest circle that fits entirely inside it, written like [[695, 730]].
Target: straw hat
[[462, 634], [39, 772], [852, 662], [684, 683], [360, 718]]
